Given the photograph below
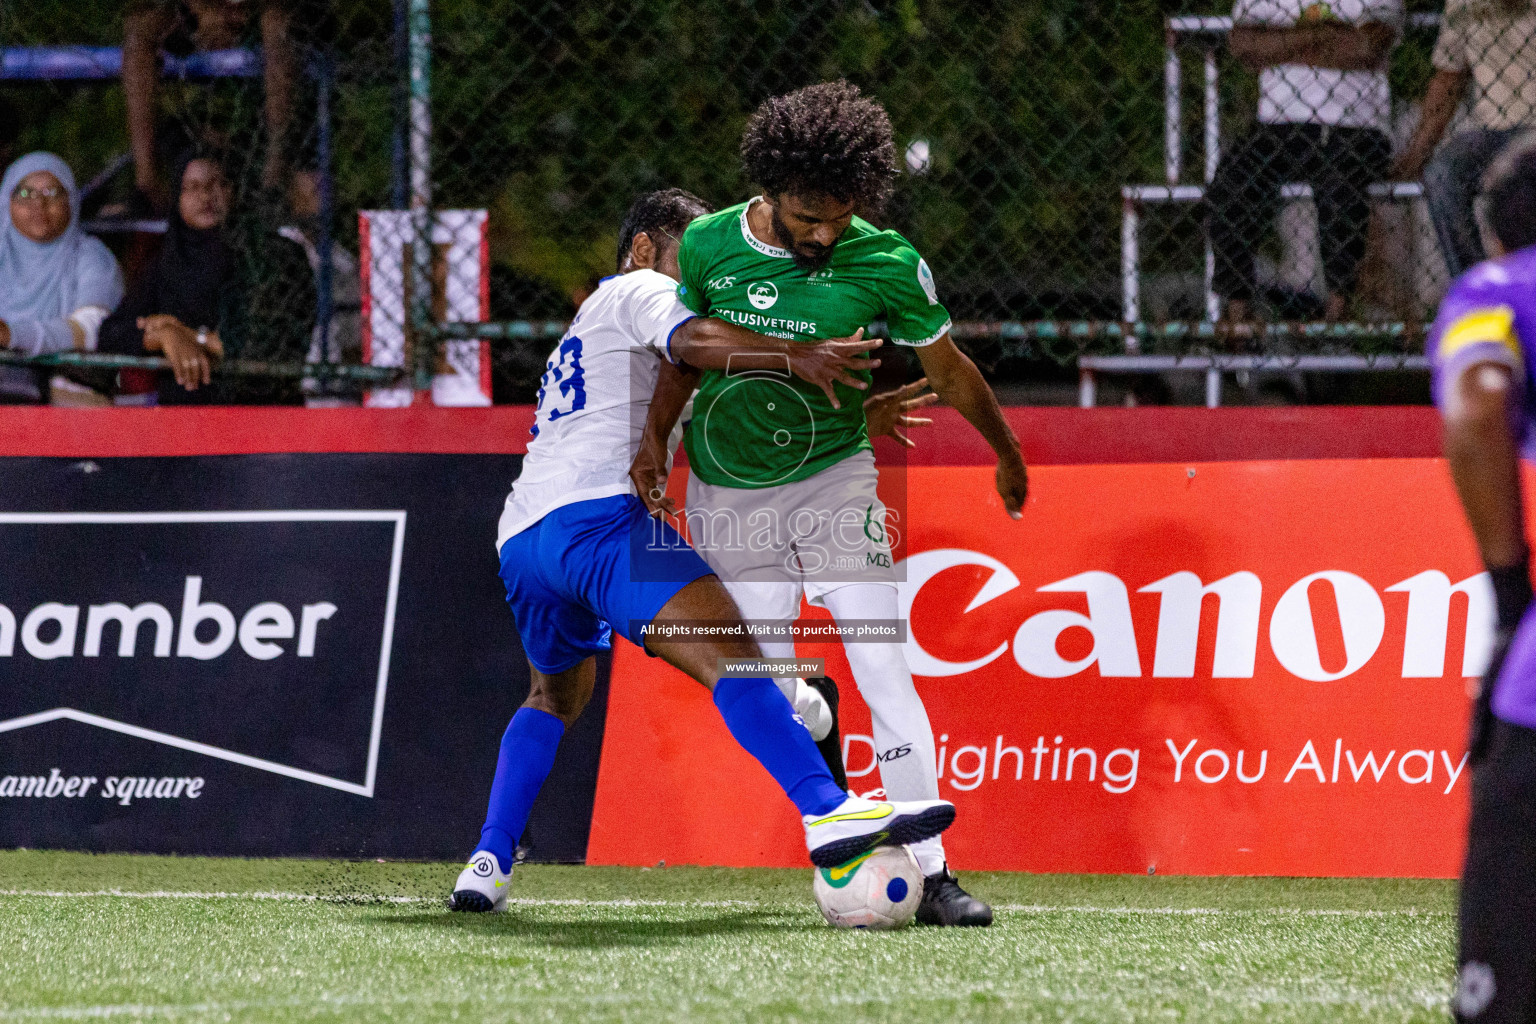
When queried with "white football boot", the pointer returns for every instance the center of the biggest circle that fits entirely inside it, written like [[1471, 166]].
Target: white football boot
[[857, 826], [482, 886], [813, 710]]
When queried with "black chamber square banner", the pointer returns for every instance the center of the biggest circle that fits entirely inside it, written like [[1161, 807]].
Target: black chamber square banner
[[265, 655]]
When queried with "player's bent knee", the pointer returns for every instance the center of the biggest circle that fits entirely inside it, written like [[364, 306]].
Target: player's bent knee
[[565, 708], [703, 659], [563, 694]]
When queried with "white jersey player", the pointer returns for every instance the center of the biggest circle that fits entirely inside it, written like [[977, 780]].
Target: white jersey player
[[581, 557], [605, 369]]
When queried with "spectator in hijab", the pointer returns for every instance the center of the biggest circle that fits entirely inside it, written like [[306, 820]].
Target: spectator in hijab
[[57, 284], [200, 299]]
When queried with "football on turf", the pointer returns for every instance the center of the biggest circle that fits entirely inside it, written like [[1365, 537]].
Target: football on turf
[[879, 889]]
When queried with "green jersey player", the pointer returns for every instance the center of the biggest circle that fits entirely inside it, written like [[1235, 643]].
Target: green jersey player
[[782, 500], [741, 434]]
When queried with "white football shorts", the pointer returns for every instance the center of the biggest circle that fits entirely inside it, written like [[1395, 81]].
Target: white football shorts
[[770, 545]]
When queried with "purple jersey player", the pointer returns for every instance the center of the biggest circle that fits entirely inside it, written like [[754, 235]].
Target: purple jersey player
[[1480, 349], [1489, 319]]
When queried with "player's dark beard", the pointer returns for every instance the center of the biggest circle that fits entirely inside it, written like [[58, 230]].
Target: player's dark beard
[[807, 255]]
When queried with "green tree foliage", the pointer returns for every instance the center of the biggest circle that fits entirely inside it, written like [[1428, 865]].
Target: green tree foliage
[[554, 114], [557, 114]]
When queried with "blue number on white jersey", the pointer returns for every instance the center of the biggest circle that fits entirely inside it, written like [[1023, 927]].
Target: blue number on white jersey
[[563, 384]]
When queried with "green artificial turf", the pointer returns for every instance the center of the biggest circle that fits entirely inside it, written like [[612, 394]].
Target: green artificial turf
[[276, 941]]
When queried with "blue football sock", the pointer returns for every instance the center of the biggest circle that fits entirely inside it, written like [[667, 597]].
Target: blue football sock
[[527, 754], [765, 725]]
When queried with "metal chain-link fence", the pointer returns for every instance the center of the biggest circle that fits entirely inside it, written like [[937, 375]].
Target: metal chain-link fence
[[1015, 125], [295, 100], [1085, 177]]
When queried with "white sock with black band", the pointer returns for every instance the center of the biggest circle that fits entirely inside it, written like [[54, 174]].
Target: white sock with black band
[[903, 738]]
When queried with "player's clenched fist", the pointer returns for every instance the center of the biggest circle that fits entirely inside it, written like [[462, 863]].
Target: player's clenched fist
[[649, 475], [1013, 485]]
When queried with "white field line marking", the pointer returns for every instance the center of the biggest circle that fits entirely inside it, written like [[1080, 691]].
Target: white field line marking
[[161, 894], [1044, 908], [1019, 908], [639, 903], [144, 1010], [299, 897]]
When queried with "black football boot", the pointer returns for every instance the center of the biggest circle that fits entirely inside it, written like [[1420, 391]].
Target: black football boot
[[832, 746], [946, 904]]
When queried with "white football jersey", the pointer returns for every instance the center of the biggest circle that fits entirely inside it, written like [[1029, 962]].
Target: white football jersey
[[594, 398]]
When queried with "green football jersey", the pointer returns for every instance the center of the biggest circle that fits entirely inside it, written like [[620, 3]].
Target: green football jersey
[[759, 428]]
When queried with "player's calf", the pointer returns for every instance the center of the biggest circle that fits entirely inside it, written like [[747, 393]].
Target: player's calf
[[528, 749]]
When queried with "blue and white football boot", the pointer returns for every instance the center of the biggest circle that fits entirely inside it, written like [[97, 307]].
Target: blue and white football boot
[[482, 886], [858, 825]]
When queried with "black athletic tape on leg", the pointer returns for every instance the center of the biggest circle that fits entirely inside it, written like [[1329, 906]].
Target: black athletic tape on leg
[[1512, 596], [831, 745], [1511, 591]]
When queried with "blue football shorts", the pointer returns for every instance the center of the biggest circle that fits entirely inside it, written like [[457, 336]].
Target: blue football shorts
[[586, 568]]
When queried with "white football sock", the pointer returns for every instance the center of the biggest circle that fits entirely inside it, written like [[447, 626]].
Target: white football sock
[[899, 718]]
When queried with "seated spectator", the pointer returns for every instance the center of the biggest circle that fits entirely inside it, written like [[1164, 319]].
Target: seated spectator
[[200, 299], [1324, 113], [1491, 45], [57, 284], [150, 25]]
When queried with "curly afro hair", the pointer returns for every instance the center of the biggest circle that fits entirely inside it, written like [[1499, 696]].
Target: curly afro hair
[[823, 140]]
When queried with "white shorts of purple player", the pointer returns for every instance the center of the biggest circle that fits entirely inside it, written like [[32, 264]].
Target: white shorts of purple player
[[771, 545]]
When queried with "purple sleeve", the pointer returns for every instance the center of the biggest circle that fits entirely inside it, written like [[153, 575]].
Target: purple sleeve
[[1477, 324]]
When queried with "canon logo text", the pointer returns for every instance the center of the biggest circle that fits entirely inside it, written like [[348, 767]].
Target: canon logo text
[[1292, 633]]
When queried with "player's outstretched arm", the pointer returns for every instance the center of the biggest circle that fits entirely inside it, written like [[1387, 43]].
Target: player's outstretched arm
[[1482, 448], [956, 380], [1484, 454], [708, 343], [1318, 44], [674, 386]]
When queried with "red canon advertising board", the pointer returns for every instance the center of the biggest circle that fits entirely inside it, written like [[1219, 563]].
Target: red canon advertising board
[[1203, 668]]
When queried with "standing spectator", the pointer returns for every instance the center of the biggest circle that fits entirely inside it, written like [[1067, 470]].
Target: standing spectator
[[57, 284], [343, 342], [1324, 113], [1490, 44], [206, 25], [199, 299]]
